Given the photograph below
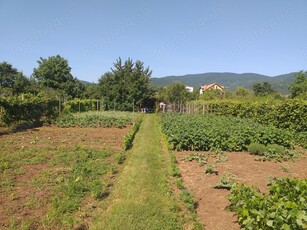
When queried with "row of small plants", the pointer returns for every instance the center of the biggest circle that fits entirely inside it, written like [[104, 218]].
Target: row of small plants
[[210, 132], [286, 114], [129, 137], [185, 195], [285, 207], [272, 152], [96, 119], [227, 180]]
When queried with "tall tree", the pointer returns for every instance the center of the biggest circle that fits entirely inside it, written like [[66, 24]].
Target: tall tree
[[54, 72], [263, 89], [11, 80], [299, 85], [175, 94], [127, 82]]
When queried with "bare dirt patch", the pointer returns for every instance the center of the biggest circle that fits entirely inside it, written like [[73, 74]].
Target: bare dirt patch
[[213, 202], [64, 137], [21, 201]]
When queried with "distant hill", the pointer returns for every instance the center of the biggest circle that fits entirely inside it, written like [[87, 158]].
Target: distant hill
[[230, 80], [86, 83]]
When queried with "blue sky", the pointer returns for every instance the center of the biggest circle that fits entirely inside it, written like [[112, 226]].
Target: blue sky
[[171, 37]]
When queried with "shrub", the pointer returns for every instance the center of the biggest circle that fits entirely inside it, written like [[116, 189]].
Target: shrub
[[256, 149], [28, 108], [283, 208]]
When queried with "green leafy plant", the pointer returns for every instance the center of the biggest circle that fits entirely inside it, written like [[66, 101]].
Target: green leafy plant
[[187, 197], [128, 139], [200, 158], [96, 119], [283, 208], [256, 149], [271, 152], [226, 182], [211, 169], [210, 132]]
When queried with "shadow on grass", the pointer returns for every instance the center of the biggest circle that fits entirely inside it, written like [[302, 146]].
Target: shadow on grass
[[20, 127]]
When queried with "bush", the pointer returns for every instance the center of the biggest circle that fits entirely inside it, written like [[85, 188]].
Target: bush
[[283, 208], [28, 108], [286, 114], [256, 149], [271, 152]]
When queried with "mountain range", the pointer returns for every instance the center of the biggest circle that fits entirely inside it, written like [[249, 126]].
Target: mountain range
[[231, 81]]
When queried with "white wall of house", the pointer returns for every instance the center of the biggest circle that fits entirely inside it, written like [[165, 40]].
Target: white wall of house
[[189, 89]]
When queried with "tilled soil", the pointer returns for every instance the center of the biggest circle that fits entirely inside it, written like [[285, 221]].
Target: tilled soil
[[212, 203], [23, 200]]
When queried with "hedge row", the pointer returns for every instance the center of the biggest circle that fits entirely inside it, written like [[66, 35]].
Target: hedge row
[[287, 114], [28, 108]]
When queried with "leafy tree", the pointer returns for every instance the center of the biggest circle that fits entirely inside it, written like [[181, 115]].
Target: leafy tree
[[54, 72], [176, 93], [299, 86], [263, 89], [11, 80], [125, 84], [93, 91], [242, 92], [211, 94]]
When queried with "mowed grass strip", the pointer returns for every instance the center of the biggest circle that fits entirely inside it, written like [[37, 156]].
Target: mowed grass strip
[[141, 198]]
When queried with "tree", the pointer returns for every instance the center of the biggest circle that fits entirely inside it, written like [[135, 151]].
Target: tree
[[125, 85], [299, 85], [242, 92], [11, 80], [54, 72], [263, 89], [212, 94], [175, 94], [93, 91]]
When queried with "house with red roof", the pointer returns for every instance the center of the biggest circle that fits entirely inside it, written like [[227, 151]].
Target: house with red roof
[[213, 86]]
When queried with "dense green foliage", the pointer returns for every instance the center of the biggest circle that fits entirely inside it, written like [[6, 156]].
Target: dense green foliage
[[196, 132], [263, 89], [285, 207], [28, 108], [298, 88], [12, 82], [96, 119], [174, 93], [54, 72], [287, 114], [126, 85], [85, 105]]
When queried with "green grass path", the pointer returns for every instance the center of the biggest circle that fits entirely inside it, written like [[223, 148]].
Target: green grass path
[[140, 198]]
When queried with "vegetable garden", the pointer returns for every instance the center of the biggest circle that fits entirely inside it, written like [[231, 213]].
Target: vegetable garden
[[269, 140], [54, 177]]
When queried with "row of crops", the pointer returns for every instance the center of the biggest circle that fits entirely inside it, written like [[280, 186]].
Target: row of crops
[[285, 205], [210, 132], [96, 119]]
